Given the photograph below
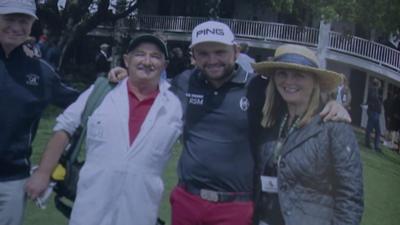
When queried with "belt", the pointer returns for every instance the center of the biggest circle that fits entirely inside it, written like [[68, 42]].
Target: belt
[[215, 196]]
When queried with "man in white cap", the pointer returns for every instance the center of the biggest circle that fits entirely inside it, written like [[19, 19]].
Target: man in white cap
[[216, 166], [27, 86]]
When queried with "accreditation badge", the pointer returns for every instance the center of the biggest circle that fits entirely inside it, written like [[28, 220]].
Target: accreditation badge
[[269, 184]]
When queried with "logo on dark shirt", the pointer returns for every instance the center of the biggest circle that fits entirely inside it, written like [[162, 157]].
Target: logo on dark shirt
[[32, 79], [244, 103], [195, 99], [215, 31]]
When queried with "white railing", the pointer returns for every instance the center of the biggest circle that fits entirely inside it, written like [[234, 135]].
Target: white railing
[[273, 31], [365, 49], [241, 28], [351, 45], [168, 23]]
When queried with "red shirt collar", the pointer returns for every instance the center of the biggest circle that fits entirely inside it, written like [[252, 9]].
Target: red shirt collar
[[131, 93]]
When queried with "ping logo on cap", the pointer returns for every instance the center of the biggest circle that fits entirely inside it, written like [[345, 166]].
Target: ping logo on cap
[[212, 31], [215, 31]]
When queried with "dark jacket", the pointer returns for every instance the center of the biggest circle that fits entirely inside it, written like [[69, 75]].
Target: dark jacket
[[374, 100], [27, 86], [319, 175]]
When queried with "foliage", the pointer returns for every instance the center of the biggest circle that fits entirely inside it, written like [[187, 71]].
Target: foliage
[[72, 22], [379, 15], [214, 8]]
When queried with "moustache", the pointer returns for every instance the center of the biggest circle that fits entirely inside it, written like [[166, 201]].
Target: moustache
[[146, 67]]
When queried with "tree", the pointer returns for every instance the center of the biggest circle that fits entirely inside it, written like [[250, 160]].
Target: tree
[[214, 8], [379, 15], [78, 17]]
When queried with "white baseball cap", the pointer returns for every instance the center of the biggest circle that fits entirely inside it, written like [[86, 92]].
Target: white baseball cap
[[212, 31], [27, 7]]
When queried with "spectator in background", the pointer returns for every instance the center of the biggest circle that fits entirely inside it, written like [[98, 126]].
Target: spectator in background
[[374, 110], [343, 93], [43, 44], [243, 59], [53, 53], [392, 114], [102, 60], [396, 121], [177, 63]]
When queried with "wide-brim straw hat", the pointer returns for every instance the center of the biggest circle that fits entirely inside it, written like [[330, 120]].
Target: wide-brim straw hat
[[296, 57]]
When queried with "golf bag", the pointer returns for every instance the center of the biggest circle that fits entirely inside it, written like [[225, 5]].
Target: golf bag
[[70, 161]]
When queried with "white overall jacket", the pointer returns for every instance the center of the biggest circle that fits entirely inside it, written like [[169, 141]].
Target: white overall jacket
[[121, 184]]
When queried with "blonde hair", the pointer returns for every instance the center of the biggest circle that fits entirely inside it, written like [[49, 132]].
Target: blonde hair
[[274, 104], [271, 107]]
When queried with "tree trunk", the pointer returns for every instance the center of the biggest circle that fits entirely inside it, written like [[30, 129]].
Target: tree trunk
[[76, 31]]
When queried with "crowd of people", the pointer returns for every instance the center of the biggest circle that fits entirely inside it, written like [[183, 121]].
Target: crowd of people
[[390, 109], [261, 145]]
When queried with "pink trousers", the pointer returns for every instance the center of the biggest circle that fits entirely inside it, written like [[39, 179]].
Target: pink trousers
[[189, 209]]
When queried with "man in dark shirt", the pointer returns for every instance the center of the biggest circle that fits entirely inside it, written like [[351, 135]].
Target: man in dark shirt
[[216, 165], [102, 60], [374, 111], [27, 86], [177, 63]]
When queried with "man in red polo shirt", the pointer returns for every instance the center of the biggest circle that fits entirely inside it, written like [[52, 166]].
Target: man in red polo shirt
[[129, 138]]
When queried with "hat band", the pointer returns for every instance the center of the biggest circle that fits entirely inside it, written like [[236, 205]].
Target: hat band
[[296, 59]]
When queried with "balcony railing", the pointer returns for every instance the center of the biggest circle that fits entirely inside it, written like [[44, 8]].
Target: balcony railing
[[366, 49], [258, 30]]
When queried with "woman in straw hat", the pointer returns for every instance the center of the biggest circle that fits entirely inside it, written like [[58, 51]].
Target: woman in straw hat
[[310, 170]]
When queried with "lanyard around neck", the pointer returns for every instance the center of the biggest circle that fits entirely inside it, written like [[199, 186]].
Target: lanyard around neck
[[282, 138]]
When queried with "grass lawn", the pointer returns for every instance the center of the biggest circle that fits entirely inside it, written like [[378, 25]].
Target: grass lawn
[[381, 185]]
